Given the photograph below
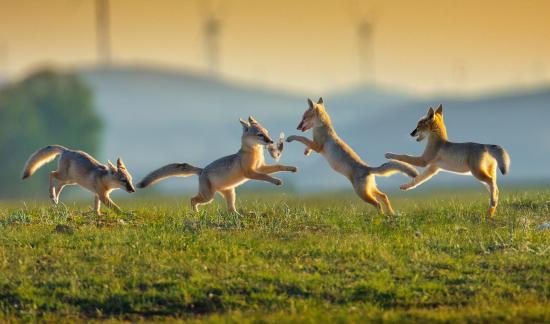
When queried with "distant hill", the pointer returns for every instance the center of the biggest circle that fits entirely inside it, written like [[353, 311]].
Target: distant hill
[[518, 121], [154, 117]]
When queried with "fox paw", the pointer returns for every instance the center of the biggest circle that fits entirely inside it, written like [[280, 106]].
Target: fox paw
[[405, 186], [278, 182], [307, 151], [290, 138], [293, 169]]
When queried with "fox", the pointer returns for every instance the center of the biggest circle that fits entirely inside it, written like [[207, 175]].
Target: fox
[[343, 159], [227, 173], [80, 168], [440, 154]]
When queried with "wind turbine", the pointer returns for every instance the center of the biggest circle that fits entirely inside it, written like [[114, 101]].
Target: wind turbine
[[3, 61], [212, 26], [460, 76], [363, 19], [539, 72], [103, 32]]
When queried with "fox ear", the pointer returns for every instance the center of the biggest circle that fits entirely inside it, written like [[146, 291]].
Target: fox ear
[[439, 110], [111, 166], [251, 120], [120, 164], [430, 113], [246, 125], [310, 103], [320, 101]]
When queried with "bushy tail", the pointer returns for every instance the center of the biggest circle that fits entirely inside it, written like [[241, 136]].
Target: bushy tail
[[167, 171], [502, 157], [393, 167], [41, 157]]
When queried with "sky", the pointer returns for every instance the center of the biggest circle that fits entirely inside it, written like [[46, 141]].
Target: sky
[[423, 46]]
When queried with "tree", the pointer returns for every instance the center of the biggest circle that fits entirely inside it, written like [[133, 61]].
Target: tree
[[45, 108]]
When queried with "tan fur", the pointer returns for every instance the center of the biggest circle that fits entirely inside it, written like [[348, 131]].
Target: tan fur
[[77, 167], [479, 160], [41, 157], [343, 159], [167, 171], [227, 173]]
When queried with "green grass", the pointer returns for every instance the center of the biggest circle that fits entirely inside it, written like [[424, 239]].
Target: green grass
[[309, 259]]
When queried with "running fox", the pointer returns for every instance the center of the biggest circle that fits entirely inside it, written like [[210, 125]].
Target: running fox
[[343, 159], [77, 167], [479, 160], [227, 173]]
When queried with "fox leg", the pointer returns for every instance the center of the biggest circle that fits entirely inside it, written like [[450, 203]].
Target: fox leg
[[53, 177], [311, 145], [369, 198], [205, 195], [58, 188], [105, 199], [490, 180], [382, 196], [418, 161], [276, 168], [263, 177], [420, 179], [200, 200], [493, 188], [360, 188], [55, 189], [230, 198], [97, 205]]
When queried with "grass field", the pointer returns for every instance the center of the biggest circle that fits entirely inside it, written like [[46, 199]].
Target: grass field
[[311, 259]]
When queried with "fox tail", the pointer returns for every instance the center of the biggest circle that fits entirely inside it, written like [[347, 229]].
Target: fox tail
[[393, 167], [502, 157], [167, 171], [41, 157]]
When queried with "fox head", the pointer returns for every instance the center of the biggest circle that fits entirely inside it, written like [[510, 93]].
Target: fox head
[[432, 123], [253, 133], [120, 177], [314, 115]]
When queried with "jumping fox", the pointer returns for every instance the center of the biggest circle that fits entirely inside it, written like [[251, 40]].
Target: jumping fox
[[343, 159], [479, 160], [227, 173], [77, 167]]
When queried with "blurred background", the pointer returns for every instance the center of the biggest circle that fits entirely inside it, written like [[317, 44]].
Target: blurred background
[[156, 82]]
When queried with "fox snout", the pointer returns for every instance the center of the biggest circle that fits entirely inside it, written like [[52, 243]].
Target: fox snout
[[301, 126], [414, 132], [268, 140]]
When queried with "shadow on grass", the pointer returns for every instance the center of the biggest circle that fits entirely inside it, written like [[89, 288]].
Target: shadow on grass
[[373, 295], [126, 305]]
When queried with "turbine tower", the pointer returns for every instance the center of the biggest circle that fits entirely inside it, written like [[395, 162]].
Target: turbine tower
[[363, 19], [212, 26], [103, 32], [212, 30], [365, 50], [460, 76], [539, 72], [3, 61]]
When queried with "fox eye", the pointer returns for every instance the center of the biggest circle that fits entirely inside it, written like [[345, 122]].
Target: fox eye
[[261, 135]]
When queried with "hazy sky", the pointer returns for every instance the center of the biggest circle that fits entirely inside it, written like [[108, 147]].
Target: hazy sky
[[298, 45]]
